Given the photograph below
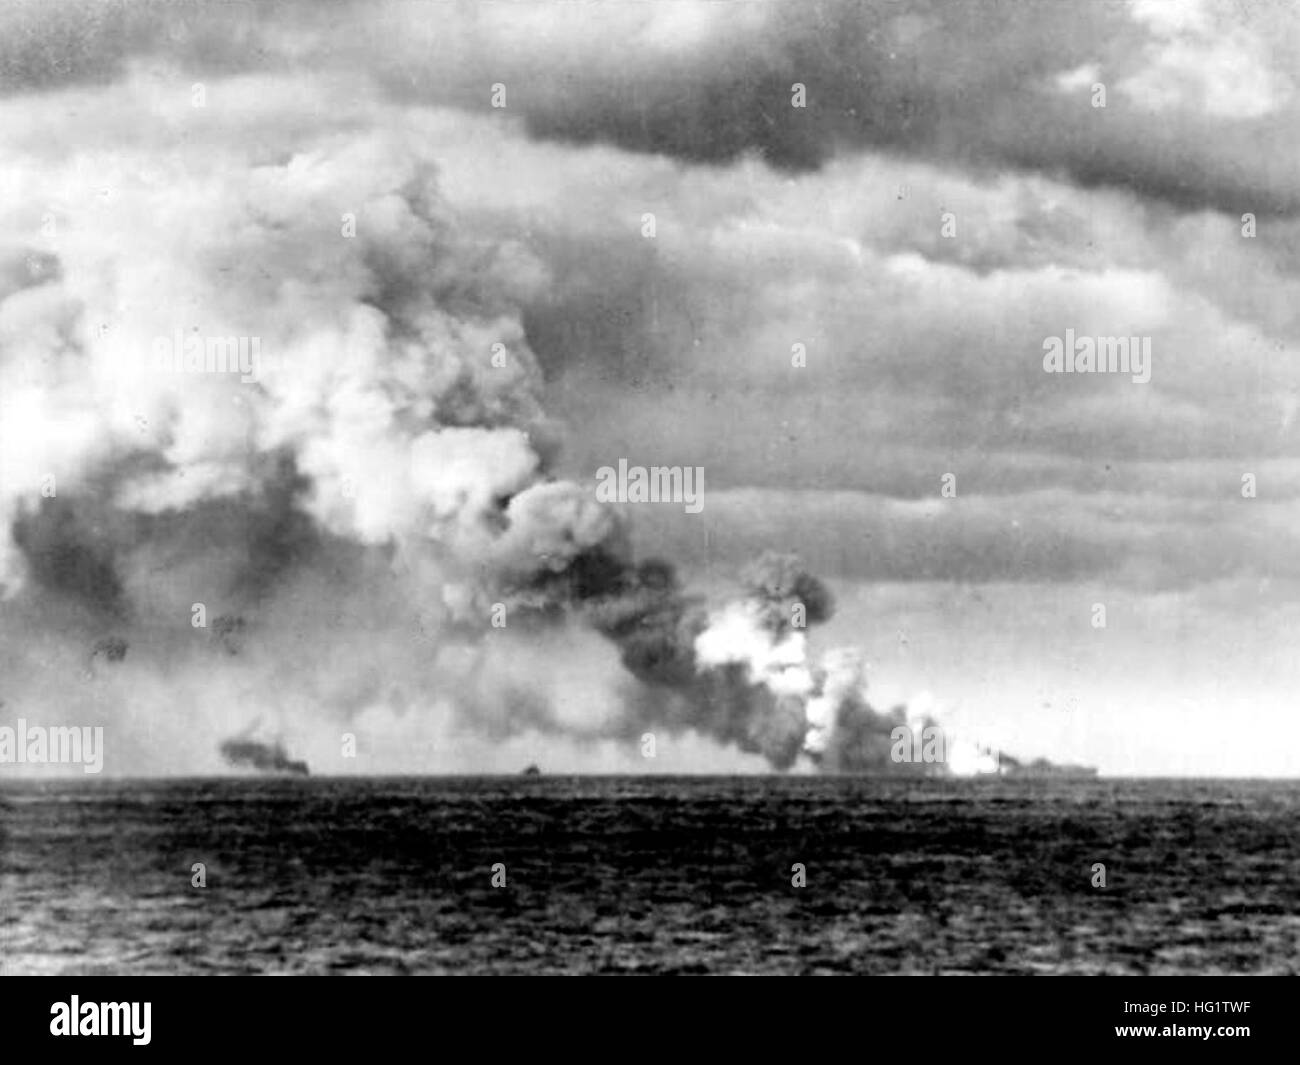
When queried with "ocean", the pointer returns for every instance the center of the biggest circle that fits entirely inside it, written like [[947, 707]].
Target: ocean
[[649, 875]]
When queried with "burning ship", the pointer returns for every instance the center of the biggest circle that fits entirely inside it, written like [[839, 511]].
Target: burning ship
[[265, 757]]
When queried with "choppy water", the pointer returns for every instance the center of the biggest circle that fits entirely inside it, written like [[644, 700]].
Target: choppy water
[[630, 875]]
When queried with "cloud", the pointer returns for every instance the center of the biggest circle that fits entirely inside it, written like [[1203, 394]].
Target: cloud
[[967, 84], [1136, 542], [1203, 58]]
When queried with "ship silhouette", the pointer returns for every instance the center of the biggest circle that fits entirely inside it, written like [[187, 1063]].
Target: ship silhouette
[[1041, 767]]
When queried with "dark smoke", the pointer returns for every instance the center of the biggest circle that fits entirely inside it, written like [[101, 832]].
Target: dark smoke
[[643, 609], [265, 757]]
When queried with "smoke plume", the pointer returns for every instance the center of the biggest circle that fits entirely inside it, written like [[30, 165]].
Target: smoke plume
[[358, 533]]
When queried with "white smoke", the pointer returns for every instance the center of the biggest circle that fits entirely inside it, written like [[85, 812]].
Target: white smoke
[[739, 634], [344, 517]]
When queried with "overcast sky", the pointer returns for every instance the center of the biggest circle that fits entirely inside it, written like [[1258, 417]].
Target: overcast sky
[[822, 226]]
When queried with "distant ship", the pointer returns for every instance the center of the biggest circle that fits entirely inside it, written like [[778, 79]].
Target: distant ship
[[266, 757], [1041, 768], [532, 771]]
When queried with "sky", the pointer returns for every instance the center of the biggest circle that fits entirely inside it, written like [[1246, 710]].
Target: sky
[[949, 197]]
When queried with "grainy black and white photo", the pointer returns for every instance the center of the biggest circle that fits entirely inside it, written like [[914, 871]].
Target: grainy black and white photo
[[778, 487]]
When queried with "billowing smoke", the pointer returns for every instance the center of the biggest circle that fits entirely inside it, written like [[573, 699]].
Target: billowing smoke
[[320, 524], [739, 672], [349, 526]]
